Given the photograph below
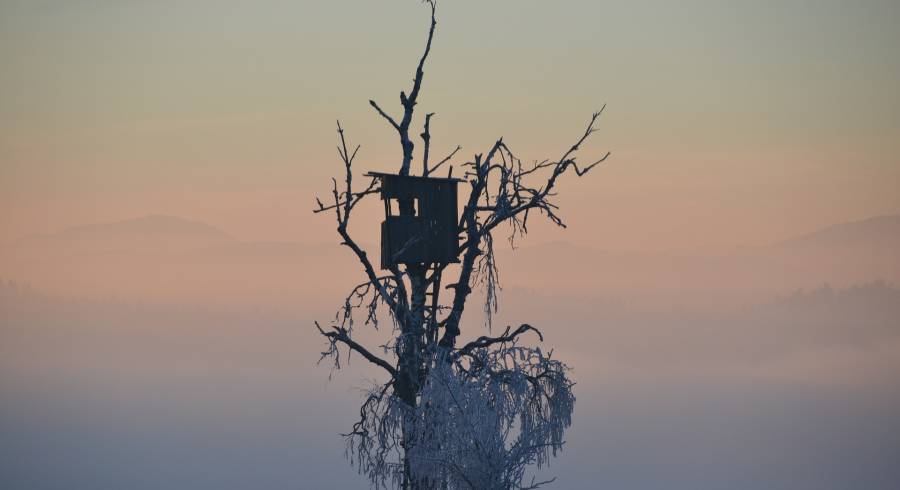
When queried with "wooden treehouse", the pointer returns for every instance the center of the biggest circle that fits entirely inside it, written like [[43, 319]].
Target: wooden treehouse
[[421, 223]]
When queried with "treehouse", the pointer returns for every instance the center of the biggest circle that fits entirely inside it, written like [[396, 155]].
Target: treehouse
[[420, 224]]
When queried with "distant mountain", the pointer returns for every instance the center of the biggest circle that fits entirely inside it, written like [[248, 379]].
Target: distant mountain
[[841, 255], [165, 257], [148, 232], [879, 232]]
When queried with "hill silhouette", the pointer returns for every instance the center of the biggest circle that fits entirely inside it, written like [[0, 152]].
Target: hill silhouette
[[880, 232], [150, 231], [166, 257]]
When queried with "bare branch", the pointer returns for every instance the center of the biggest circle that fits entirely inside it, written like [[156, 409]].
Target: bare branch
[[371, 189], [343, 205], [409, 101], [445, 160], [446, 417], [341, 334], [426, 137], [484, 341], [384, 115]]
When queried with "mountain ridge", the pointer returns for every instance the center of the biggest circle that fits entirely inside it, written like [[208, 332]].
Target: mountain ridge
[[864, 231]]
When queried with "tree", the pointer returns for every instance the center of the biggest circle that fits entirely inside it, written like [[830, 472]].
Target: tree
[[448, 416]]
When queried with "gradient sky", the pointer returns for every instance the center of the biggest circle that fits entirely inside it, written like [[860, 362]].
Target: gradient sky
[[166, 364], [730, 123]]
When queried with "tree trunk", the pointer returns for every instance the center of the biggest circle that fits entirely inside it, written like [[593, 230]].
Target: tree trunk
[[411, 362]]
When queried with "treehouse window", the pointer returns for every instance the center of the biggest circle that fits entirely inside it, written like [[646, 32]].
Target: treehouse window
[[395, 207]]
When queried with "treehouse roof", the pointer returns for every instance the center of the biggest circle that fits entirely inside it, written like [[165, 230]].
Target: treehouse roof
[[413, 178]]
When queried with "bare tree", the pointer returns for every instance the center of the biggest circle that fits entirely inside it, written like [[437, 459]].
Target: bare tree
[[450, 416]]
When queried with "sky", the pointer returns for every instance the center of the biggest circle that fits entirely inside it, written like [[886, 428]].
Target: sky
[[725, 291], [730, 123]]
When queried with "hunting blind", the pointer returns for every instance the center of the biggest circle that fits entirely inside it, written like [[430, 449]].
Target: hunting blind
[[420, 224]]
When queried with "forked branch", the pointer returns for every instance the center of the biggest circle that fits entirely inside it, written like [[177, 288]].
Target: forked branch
[[408, 102], [340, 334]]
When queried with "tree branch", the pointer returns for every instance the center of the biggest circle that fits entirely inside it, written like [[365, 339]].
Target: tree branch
[[426, 137], [341, 334], [485, 341], [409, 101], [445, 160], [384, 115], [344, 202]]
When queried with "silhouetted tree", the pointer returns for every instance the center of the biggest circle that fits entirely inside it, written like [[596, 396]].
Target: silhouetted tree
[[450, 416]]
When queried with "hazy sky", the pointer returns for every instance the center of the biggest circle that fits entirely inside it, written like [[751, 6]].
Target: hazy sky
[[730, 123]]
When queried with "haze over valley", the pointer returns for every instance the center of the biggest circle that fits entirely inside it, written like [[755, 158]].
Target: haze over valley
[[163, 352]]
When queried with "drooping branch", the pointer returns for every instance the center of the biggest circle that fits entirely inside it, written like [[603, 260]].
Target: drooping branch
[[470, 225], [486, 418]]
